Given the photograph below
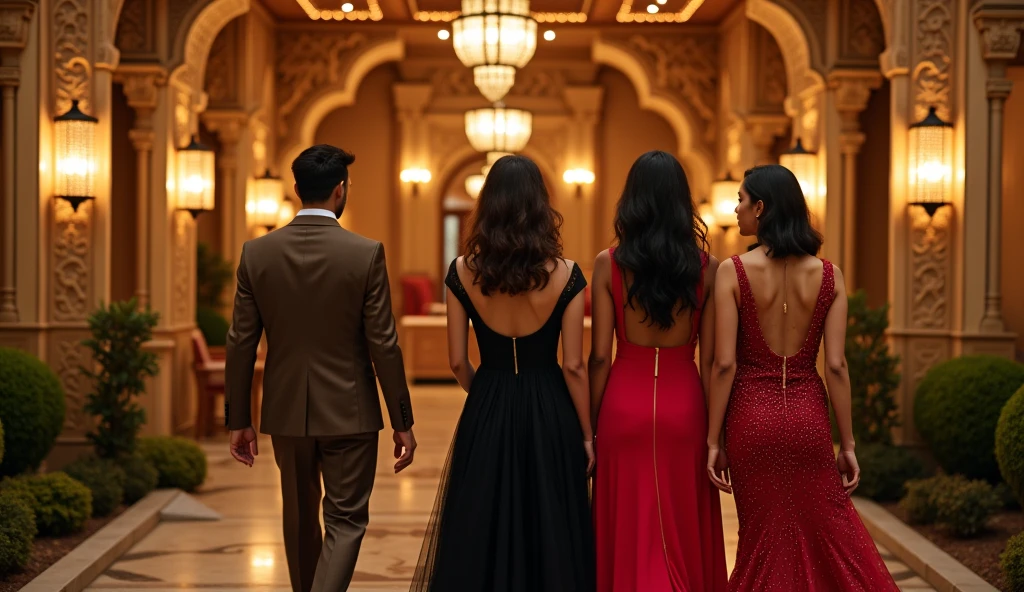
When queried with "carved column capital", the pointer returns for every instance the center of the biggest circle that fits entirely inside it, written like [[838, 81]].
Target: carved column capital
[[851, 142], [10, 76], [141, 85], [227, 124], [1000, 32], [765, 128], [998, 88], [853, 88], [15, 16], [142, 139], [411, 99]]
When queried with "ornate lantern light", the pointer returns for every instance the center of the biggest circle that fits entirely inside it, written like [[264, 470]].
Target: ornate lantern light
[[931, 175], [804, 166], [75, 146], [707, 213], [579, 178], [494, 38], [723, 199], [264, 208], [195, 178], [498, 129], [415, 177]]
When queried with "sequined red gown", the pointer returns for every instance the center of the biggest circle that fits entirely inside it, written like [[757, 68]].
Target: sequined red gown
[[798, 529], [657, 517]]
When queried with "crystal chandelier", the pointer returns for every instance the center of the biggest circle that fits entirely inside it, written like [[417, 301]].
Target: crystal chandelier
[[497, 129], [494, 38]]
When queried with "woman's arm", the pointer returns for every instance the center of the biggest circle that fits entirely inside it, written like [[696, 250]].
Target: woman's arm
[[572, 363], [458, 342], [706, 335], [837, 375], [723, 370], [602, 332]]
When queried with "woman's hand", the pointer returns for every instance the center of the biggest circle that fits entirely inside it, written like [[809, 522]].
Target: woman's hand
[[846, 462], [718, 469], [588, 446]]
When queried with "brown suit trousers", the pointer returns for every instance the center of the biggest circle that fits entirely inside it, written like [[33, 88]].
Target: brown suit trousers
[[322, 295]]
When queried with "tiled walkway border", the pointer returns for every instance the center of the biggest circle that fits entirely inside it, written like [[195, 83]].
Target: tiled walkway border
[[937, 567]]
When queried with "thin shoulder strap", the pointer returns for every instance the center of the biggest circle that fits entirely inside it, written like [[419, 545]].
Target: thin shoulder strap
[[573, 286], [697, 312], [617, 297], [744, 282], [454, 282]]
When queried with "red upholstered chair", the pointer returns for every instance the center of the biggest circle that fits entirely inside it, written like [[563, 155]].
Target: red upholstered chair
[[417, 294]]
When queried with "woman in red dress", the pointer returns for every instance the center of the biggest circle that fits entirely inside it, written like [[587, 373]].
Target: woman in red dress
[[657, 520], [774, 304]]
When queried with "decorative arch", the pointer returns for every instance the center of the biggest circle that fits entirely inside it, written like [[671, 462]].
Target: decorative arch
[[192, 46], [327, 100], [695, 160], [803, 79]]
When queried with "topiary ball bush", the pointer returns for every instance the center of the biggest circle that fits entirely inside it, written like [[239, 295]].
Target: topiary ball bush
[[31, 409], [104, 478], [885, 469], [964, 506], [1010, 444], [956, 409], [1012, 562], [919, 502], [213, 325], [180, 462], [17, 530], [141, 477], [1, 441], [61, 504]]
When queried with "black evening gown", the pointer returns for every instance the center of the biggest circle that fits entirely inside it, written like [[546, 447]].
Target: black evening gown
[[512, 512]]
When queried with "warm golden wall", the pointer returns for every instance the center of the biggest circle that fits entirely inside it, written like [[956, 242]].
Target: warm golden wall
[[1013, 208], [873, 198], [123, 223]]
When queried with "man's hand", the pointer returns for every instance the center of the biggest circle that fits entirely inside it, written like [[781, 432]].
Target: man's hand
[[405, 446], [243, 446]]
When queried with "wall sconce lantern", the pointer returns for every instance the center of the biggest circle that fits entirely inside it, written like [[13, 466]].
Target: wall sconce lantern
[[706, 212], [804, 166], [474, 183], [579, 178], [415, 176], [265, 209], [931, 176], [724, 197], [195, 178], [76, 156]]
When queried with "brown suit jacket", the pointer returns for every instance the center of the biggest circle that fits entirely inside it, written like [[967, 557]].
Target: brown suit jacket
[[322, 294]]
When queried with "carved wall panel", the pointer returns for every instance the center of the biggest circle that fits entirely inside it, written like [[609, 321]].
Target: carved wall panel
[[862, 37], [71, 49], [456, 81], [67, 357], [184, 254], [221, 82], [770, 83], [933, 57], [930, 261], [178, 12], [813, 18], [71, 293], [135, 28]]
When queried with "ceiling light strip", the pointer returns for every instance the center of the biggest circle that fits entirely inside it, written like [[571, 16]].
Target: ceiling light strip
[[435, 16], [373, 14], [626, 14]]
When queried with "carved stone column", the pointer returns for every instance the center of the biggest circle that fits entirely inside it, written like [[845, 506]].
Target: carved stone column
[[1000, 40], [140, 87], [14, 29], [852, 89], [229, 126], [764, 130]]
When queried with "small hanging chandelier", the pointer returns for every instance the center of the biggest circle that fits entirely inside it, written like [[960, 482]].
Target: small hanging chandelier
[[497, 129], [494, 38], [195, 178], [474, 183]]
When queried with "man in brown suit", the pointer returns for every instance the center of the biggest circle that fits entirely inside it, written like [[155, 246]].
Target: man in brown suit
[[322, 295]]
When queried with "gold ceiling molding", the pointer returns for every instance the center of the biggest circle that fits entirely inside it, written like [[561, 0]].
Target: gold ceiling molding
[[442, 16], [626, 14], [373, 14]]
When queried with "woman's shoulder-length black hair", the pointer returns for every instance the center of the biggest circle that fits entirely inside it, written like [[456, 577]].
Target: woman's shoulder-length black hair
[[514, 234], [784, 227]]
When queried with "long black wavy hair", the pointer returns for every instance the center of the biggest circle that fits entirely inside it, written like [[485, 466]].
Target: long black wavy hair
[[785, 224], [660, 239], [515, 231]]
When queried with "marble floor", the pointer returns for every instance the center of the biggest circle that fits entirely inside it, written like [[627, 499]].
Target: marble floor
[[244, 551]]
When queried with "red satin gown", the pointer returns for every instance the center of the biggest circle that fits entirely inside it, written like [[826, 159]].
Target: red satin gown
[[657, 518], [799, 530]]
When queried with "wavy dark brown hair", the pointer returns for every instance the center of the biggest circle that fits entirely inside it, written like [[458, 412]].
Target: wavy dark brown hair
[[514, 234]]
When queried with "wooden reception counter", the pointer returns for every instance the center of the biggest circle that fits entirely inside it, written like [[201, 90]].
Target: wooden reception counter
[[424, 341]]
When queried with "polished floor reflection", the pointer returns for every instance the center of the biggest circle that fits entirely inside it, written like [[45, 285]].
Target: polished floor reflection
[[244, 551]]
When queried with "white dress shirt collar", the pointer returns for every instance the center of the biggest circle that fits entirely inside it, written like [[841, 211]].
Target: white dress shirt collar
[[316, 212]]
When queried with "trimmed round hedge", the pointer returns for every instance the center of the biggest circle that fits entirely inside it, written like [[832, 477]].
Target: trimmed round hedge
[[957, 407], [61, 504], [141, 477], [104, 478], [1012, 562], [31, 409], [17, 530], [180, 462], [1, 441], [1010, 444], [885, 470]]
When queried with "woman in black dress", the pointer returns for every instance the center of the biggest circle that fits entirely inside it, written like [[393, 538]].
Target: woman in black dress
[[512, 510]]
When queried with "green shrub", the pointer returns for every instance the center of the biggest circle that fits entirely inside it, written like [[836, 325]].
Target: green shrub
[[956, 409], [213, 326], [1012, 562], [141, 477], [31, 408], [1010, 444], [17, 530], [885, 470], [104, 478], [919, 502], [61, 504], [213, 274], [964, 506], [180, 462], [118, 333], [1, 441], [873, 372]]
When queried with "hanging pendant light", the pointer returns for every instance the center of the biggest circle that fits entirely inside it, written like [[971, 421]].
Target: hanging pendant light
[[75, 147], [804, 166], [195, 189], [498, 129], [494, 38], [474, 183], [724, 196], [264, 208], [931, 175]]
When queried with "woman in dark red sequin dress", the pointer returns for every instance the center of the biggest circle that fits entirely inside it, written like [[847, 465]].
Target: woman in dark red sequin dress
[[798, 528]]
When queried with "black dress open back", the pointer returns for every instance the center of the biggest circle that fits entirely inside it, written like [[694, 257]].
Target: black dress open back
[[512, 511]]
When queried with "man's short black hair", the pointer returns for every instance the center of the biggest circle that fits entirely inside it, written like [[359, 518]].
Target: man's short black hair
[[319, 170]]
